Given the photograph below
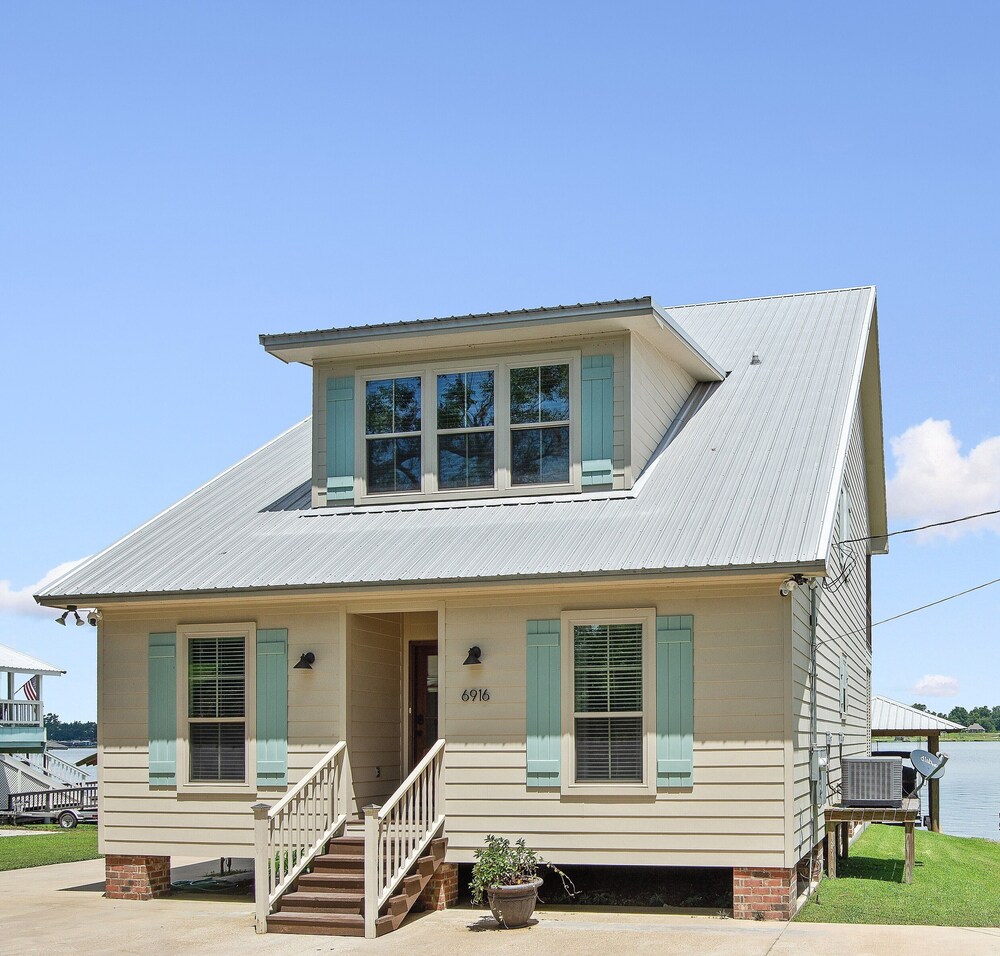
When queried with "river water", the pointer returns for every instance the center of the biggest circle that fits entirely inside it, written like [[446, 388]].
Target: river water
[[970, 787]]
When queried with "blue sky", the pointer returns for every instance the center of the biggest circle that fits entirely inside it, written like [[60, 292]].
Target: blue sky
[[176, 178]]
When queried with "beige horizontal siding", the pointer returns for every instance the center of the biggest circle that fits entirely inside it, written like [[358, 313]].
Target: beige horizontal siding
[[659, 389]]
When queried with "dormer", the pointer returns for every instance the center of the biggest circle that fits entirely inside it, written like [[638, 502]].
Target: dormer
[[549, 401]]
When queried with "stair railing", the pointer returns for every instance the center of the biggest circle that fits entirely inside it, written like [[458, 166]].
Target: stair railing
[[296, 829], [56, 767], [398, 833]]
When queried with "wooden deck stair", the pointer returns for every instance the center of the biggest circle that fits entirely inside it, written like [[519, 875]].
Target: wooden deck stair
[[330, 900]]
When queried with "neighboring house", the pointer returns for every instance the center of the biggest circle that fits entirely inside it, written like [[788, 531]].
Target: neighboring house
[[559, 561], [975, 729]]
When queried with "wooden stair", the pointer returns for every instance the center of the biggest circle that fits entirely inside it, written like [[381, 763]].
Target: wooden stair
[[330, 900]]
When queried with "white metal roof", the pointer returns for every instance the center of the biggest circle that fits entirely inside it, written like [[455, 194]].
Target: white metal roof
[[751, 481], [891, 715], [21, 663]]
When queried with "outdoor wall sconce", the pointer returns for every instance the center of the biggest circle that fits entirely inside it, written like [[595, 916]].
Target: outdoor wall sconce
[[475, 655], [306, 661]]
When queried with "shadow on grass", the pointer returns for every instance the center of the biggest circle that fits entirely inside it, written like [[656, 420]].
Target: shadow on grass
[[870, 868]]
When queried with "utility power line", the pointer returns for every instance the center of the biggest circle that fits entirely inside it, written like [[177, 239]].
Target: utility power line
[[923, 527]]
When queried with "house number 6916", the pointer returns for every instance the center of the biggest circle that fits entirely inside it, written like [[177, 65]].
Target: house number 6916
[[476, 693]]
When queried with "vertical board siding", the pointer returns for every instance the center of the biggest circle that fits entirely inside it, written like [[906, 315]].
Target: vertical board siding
[[597, 419], [375, 729], [162, 709], [659, 389], [340, 438], [544, 713], [272, 707], [841, 618], [674, 700]]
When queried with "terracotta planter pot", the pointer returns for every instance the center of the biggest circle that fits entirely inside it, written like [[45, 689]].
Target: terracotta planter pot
[[513, 905]]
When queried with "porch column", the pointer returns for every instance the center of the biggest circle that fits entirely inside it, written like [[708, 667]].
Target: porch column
[[934, 788]]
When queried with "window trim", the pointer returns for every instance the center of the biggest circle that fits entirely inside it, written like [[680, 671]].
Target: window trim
[[185, 633], [646, 616], [501, 366]]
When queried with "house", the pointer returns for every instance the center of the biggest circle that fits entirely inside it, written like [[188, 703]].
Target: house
[[29, 771], [975, 729], [595, 575]]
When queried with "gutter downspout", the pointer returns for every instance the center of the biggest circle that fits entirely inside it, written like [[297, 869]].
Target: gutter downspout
[[816, 770]]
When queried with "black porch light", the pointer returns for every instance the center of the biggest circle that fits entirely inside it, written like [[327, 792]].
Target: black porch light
[[475, 655], [306, 661]]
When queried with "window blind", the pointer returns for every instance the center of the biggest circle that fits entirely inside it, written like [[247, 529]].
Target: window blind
[[607, 683], [217, 708]]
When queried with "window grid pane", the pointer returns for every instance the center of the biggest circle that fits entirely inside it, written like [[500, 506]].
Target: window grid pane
[[608, 749], [216, 677], [218, 751]]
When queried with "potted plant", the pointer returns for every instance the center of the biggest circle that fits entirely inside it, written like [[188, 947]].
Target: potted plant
[[507, 876]]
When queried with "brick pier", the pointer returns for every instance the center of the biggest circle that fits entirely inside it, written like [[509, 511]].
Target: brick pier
[[136, 877], [764, 892], [442, 890]]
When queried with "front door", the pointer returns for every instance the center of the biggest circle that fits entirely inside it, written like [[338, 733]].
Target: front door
[[423, 698]]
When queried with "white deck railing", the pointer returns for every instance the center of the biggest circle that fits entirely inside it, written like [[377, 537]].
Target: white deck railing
[[55, 766], [288, 835], [398, 833], [21, 712]]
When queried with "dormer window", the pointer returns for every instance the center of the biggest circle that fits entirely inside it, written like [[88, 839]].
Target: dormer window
[[539, 425], [392, 434], [466, 446], [502, 425]]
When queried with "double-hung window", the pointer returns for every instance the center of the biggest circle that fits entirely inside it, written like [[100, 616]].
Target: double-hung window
[[216, 699], [466, 444], [392, 434], [609, 701], [539, 425]]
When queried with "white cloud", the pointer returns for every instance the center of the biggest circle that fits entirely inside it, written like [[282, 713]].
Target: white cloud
[[20, 601], [934, 481], [936, 685]]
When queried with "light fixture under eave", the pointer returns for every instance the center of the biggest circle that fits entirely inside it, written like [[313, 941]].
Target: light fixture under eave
[[70, 609], [306, 661], [475, 655]]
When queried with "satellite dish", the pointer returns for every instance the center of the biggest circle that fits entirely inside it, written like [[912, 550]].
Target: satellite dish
[[929, 766]]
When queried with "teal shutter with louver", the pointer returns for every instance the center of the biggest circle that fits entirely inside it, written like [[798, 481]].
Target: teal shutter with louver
[[544, 709], [597, 418], [674, 700], [162, 710], [339, 439], [272, 707]]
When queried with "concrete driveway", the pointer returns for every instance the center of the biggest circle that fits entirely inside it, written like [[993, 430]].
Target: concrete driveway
[[61, 911]]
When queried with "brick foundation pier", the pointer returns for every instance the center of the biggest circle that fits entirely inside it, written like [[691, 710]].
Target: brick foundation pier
[[442, 889], [136, 877], [764, 892]]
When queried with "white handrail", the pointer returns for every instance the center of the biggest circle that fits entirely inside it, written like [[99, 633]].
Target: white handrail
[[398, 833], [55, 766], [290, 834]]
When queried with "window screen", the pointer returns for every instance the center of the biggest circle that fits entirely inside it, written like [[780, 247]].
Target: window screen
[[607, 702]]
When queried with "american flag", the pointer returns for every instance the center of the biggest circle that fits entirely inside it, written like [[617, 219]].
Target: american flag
[[30, 688]]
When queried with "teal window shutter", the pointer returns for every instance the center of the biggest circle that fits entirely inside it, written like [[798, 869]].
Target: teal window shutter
[[339, 439], [544, 709], [162, 710], [674, 701], [272, 707], [597, 419]]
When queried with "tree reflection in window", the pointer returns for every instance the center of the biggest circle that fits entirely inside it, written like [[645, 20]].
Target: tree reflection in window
[[392, 412], [539, 419], [465, 429]]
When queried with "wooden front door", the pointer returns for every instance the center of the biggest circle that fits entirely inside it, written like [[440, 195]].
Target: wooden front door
[[423, 698]]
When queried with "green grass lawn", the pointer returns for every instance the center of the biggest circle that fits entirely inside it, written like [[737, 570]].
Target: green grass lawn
[[954, 882], [63, 846]]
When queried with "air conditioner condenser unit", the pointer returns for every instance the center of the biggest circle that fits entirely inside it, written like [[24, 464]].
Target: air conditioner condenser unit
[[871, 782]]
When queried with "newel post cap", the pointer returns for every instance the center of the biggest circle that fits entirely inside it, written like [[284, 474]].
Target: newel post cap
[[260, 810]]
